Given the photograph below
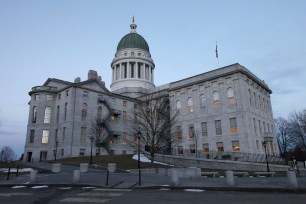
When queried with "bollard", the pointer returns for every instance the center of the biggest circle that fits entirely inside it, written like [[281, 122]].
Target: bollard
[[84, 167], [107, 174], [76, 176], [111, 167], [17, 171], [230, 178], [175, 177], [33, 176], [8, 173], [56, 168], [292, 182]]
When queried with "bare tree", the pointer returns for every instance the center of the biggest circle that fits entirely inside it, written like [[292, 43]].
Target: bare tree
[[7, 154], [298, 128], [96, 132], [155, 120], [284, 140]]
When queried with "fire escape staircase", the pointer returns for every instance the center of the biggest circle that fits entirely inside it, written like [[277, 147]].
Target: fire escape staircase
[[110, 133]]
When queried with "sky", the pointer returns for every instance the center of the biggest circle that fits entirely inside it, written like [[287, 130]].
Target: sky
[[65, 38]]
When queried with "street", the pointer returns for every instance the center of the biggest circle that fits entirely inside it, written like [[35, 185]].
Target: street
[[44, 194]]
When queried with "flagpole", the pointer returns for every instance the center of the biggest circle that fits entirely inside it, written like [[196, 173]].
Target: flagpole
[[217, 56]]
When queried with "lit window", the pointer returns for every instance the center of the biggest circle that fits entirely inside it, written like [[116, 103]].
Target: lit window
[[32, 134], [112, 140], [49, 97], [84, 111], [220, 147], [180, 150], [47, 116], [233, 125], [218, 127], [204, 129], [36, 97], [202, 101], [205, 147], [113, 117], [179, 132], [123, 140], [45, 137], [190, 104], [192, 148], [34, 117], [83, 134], [235, 145], [191, 131]]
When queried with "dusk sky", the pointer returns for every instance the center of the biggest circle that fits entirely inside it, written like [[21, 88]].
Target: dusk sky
[[65, 38]]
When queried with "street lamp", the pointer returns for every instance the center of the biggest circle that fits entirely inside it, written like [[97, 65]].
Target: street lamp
[[91, 141], [139, 171], [264, 144], [55, 151]]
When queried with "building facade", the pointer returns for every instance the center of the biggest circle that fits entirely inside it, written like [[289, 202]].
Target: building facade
[[226, 110]]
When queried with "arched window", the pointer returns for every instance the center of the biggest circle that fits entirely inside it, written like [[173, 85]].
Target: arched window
[[99, 115], [190, 104], [202, 101], [84, 111], [34, 117], [216, 96], [178, 106], [47, 116]]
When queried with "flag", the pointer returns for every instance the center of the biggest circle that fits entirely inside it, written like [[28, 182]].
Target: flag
[[216, 50]]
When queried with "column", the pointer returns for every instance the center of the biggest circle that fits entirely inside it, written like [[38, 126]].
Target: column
[[120, 71], [128, 70], [149, 74], [113, 76]]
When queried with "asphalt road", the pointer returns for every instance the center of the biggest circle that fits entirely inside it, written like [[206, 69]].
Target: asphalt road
[[117, 196]]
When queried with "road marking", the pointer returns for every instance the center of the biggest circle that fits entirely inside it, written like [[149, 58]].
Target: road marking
[[104, 194], [85, 200], [14, 194], [112, 189]]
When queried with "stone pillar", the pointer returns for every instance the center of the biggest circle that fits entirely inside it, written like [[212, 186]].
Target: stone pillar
[[292, 182], [76, 176], [84, 167], [111, 167], [229, 178], [56, 168], [33, 176], [175, 177], [128, 70], [120, 73]]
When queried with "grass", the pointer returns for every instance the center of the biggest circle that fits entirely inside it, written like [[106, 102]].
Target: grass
[[123, 162]]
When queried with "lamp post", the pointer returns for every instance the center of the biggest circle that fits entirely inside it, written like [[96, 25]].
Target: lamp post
[[139, 171], [2, 154], [55, 151], [91, 141], [264, 144]]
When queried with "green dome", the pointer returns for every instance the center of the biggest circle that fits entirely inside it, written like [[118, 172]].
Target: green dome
[[133, 40]]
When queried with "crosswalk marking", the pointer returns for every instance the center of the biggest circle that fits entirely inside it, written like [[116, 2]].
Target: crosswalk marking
[[85, 200]]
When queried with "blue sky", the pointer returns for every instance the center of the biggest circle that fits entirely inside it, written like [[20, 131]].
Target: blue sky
[[65, 38]]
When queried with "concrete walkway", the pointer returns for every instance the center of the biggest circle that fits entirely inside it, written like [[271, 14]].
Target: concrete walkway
[[98, 177]]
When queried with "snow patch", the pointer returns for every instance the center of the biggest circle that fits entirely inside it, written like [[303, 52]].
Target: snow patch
[[15, 170], [194, 190], [144, 159], [19, 187], [164, 189], [88, 187], [37, 187], [65, 188]]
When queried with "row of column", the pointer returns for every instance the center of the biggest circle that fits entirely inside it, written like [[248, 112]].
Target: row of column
[[127, 70]]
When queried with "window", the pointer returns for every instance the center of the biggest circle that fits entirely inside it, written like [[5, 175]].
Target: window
[[220, 147], [82, 152], [132, 53], [204, 129], [85, 93], [192, 148], [255, 100], [124, 103], [177, 94], [62, 152], [250, 97], [34, 117], [180, 150], [218, 127], [45, 137], [216, 96], [59, 96], [230, 96], [57, 113], [205, 147], [179, 132], [97, 152], [139, 54], [124, 115], [125, 71], [63, 134], [189, 91], [55, 135], [233, 126], [32, 134], [67, 92], [84, 111], [83, 134], [47, 116], [191, 131], [254, 123], [112, 140], [201, 87], [36, 97], [235, 145], [123, 140], [99, 114], [139, 72], [178, 106], [49, 97], [264, 126], [190, 104], [132, 70], [202, 101], [259, 126], [65, 114]]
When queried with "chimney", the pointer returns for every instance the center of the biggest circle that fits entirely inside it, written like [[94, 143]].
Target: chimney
[[92, 74]]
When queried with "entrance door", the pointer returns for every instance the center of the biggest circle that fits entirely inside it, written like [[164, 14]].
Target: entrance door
[[43, 156], [29, 156]]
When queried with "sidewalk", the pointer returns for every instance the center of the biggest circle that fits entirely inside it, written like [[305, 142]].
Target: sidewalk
[[98, 177]]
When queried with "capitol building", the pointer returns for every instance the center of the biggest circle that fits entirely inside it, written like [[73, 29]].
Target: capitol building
[[223, 111]]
